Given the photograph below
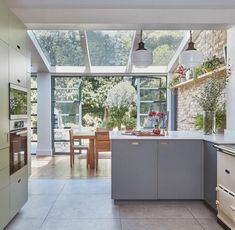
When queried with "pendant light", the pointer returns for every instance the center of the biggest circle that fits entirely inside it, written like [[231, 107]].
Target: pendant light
[[141, 57], [191, 57]]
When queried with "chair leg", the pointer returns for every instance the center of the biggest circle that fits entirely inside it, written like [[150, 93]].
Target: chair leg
[[96, 160], [71, 159], [87, 158]]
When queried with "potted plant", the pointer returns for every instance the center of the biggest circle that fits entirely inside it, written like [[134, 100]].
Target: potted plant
[[181, 71], [129, 122], [211, 64], [175, 80], [119, 101], [208, 100]]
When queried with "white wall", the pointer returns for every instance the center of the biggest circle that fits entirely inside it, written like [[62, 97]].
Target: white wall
[[231, 85], [44, 146]]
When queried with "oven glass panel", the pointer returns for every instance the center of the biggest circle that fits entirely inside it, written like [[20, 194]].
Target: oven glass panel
[[18, 150]]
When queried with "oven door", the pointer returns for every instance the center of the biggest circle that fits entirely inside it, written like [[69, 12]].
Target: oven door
[[18, 149]]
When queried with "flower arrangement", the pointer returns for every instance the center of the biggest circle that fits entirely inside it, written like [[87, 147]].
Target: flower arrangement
[[181, 71], [154, 119]]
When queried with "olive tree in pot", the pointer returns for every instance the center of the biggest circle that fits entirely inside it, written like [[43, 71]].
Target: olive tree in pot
[[119, 100]]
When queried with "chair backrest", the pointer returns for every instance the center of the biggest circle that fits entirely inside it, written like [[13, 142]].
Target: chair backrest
[[102, 141]]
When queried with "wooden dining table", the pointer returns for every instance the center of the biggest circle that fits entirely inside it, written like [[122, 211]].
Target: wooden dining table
[[88, 135]]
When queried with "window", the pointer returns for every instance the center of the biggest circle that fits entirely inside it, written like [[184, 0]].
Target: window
[[66, 110], [152, 96], [33, 99]]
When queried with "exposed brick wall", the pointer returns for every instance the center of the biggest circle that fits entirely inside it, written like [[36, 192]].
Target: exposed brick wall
[[210, 43]]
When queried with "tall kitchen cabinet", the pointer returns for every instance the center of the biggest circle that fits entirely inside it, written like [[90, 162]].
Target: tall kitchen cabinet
[[180, 169], [13, 189], [134, 164]]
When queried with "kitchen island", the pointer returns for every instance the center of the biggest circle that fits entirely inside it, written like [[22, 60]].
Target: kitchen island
[[179, 166]]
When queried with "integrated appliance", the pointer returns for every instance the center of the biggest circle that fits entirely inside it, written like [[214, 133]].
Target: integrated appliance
[[17, 102], [226, 185], [18, 144]]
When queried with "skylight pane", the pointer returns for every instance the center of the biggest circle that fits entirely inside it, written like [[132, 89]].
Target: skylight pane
[[109, 48], [163, 44], [61, 47]]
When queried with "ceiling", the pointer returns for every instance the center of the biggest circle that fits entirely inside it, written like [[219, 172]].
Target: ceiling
[[125, 14]]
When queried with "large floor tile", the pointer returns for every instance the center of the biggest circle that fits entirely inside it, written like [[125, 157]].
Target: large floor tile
[[159, 211], [19, 223], [46, 186], [200, 210], [210, 224], [160, 224], [88, 224], [38, 206], [84, 206], [84, 186]]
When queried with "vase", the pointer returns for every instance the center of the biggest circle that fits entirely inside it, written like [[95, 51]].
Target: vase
[[208, 122]]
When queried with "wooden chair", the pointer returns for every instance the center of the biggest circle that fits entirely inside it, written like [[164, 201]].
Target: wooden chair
[[75, 144], [102, 144]]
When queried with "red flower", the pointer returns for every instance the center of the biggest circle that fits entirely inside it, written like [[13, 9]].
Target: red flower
[[160, 114], [152, 114]]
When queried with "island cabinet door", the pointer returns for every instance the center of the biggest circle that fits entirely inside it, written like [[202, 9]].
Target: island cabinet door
[[134, 167], [180, 170], [210, 174]]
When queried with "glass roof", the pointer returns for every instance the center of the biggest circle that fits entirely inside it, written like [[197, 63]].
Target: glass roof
[[105, 47], [163, 44], [109, 48], [61, 47]]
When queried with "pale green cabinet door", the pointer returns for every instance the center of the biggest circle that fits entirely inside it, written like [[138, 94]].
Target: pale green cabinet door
[[4, 96], [4, 22], [4, 207]]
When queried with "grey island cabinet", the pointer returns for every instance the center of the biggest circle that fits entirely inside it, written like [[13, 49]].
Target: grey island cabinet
[[180, 169], [134, 174]]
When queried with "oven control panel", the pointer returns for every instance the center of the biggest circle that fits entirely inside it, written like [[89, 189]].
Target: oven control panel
[[18, 124]]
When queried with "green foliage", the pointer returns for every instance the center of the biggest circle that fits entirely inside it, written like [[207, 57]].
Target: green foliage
[[175, 80], [220, 119], [129, 122], [208, 96], [211, 64], [116, 115], [94, 94], [198, 121], [91, 121]]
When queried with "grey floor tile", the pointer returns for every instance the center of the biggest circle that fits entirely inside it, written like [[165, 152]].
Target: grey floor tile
[[84, 206], [45, 186], [160, 224], [84, 186], [80, 224], [210, 224], [19, 223], [38, 206], [159, 211], [200, 210]]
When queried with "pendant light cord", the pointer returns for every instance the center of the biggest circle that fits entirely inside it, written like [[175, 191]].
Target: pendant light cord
[[141, 35]]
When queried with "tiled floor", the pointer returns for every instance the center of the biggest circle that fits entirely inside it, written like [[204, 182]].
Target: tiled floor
[[58, 166], [85, 204]]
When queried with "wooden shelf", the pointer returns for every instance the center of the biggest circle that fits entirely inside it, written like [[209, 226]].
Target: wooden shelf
[[219, 72]]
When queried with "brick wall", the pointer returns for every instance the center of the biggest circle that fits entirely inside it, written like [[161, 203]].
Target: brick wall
[[210, 43]]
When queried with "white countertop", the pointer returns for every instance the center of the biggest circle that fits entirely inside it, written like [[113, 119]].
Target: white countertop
[[177, 135]]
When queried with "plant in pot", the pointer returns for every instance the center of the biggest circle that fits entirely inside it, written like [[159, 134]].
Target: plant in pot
[[208, 100], [174, 81], [181, 72], [211, 64], [119, 100], [129, 122]]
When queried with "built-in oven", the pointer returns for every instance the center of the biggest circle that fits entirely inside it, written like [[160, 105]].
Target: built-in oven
[[18, 145]]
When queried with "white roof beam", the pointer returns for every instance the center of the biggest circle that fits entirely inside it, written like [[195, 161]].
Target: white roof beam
[[84, 45]]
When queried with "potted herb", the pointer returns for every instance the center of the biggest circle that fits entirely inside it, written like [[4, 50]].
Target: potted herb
[[129, 122]]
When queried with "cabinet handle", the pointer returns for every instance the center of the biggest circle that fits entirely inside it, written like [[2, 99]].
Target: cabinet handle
[[7, 137], [135, 143], [19, 181], [18, 80], [227, 171], [18, 47], [163, 142]]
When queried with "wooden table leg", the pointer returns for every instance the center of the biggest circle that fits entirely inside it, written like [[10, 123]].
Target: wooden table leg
[[92, 153]]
